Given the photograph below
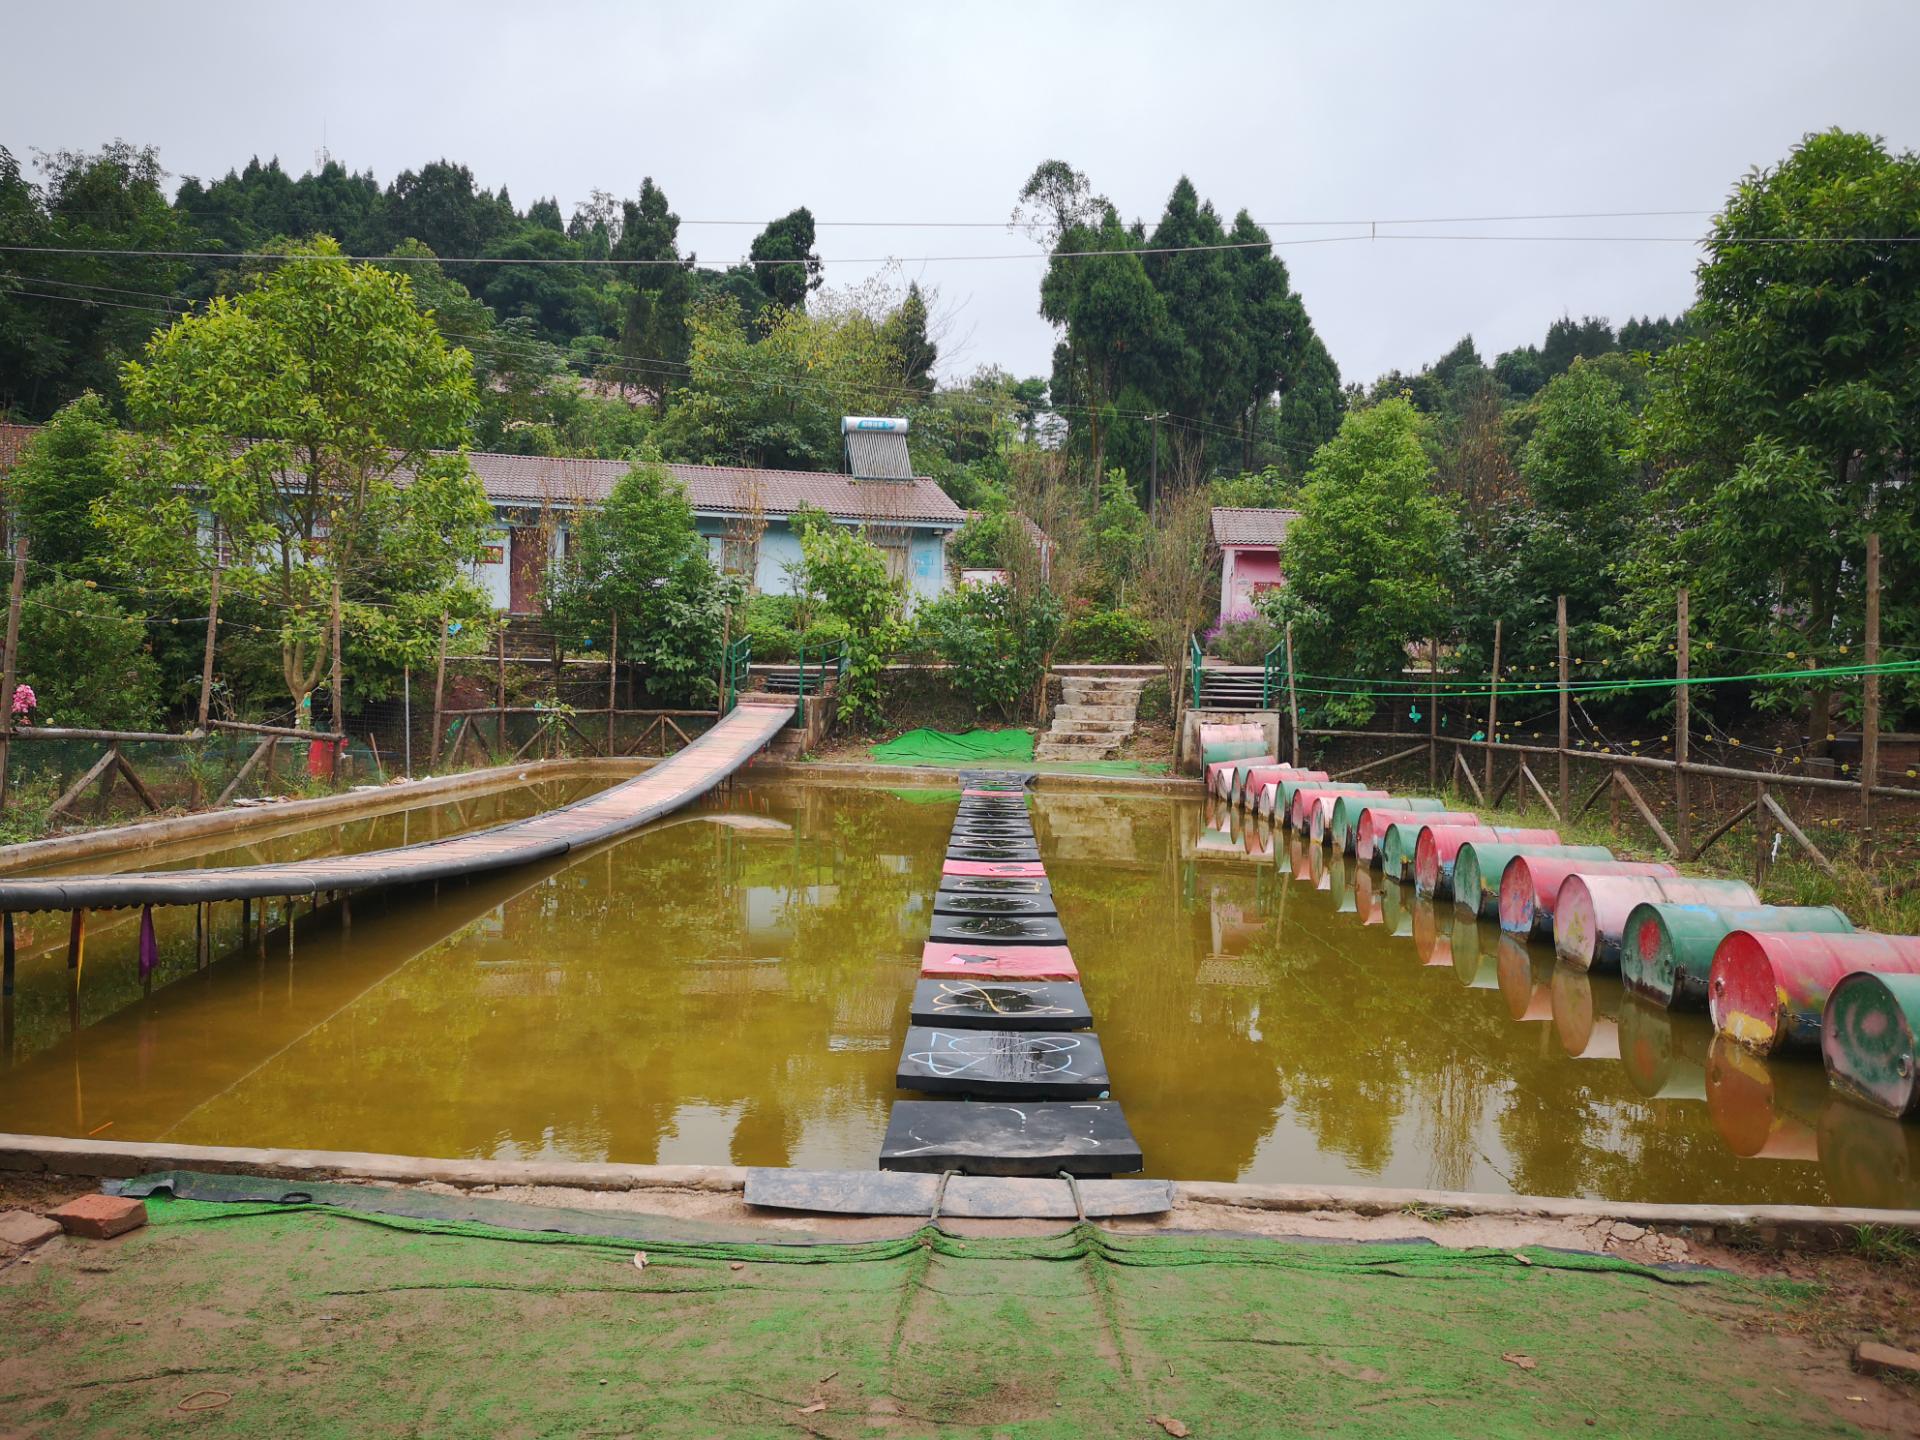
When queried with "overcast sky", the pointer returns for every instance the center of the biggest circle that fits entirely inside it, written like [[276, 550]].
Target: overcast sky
[[898, 112]]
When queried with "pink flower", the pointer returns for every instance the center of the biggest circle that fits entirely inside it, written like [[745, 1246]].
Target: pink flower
[[24, 700]]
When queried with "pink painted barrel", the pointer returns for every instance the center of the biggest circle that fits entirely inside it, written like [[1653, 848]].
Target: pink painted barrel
[[1305, 795], [1767, 988], [1318, 815], [1253, 781], [1590, 915], [1372, 827], [1531, 883], [1434, 851], [1220, 772]]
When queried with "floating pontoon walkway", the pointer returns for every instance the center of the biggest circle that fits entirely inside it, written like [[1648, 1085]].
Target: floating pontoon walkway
[[662, 789]]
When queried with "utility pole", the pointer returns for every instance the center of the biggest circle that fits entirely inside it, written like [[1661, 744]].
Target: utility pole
[[213, 626], [339, 692], [1153, 480], [1493, 705]]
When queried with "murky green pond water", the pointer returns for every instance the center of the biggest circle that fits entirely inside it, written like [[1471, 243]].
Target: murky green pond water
[[732, 985]]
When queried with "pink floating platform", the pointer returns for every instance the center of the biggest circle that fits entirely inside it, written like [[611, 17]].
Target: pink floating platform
[[1010, 794], [942, 961], [993, 867]]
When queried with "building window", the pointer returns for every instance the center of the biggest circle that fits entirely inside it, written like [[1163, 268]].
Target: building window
[[739, 557]]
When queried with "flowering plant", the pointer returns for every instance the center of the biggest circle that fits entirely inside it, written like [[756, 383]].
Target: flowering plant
[[24, 700]]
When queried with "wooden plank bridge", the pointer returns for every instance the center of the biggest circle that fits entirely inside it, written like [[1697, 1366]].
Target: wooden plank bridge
[[674, 782]]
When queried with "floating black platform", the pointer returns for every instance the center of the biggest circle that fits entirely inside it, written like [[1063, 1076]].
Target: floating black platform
[[963, 848], [1016, 828], [1001, 1004], [976, 1197], [1003, 1064], [1083, 1137], [997, 930], [994, 885], [947, 903]]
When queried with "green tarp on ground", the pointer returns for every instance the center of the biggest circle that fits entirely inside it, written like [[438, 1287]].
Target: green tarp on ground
[[259, 1319], [942, 747]]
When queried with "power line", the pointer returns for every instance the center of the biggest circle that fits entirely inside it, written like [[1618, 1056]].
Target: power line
[[565, 261]]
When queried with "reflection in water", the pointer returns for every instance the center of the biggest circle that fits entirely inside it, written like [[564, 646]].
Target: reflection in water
[[702, 992]]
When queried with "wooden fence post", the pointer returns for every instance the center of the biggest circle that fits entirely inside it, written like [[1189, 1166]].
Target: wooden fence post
[[11, 667], [213, 626], [1870, 707], [1433, 714], [613, 673], [1493, 703], [500, 695], [1566, 783], [1682, 720], [1761, 826], [339, 691], [439, 698], [1293, 699]]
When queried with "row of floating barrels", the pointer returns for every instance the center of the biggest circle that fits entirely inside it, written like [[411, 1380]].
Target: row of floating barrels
[[1772, 977]]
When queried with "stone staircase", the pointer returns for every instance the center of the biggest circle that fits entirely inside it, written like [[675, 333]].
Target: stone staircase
[[1093, 719]]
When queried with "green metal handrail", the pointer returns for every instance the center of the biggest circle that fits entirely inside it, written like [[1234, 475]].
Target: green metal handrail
[[1272, 674], [739, 655], [1194, 658]]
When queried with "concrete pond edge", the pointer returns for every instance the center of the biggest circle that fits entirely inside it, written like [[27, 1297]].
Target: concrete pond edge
[[121, 1160]]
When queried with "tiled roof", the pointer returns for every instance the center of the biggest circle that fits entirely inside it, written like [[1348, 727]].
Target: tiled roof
[[13, 439], [1233, 525], [723, 489], [726, 489]]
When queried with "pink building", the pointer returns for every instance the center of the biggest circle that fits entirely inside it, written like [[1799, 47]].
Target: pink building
[[1249, 542]]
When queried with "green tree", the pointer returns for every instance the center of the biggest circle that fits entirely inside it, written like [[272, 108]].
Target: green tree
[[653, 330], [906, 331], [1370, 561], [785, 265], [997, 639], [1784, 430], [314, 424], [849, 574], [68, 468], [86, 659]]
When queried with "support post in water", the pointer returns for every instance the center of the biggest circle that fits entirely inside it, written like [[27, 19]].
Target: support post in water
[[11, 665], [1493, 704], [1293, 699], [7, 954], [1682, 800], [77, 941], [500, 693], [1566, 780], [1870, 692]]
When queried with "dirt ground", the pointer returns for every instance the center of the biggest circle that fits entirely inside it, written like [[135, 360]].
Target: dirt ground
[[1223, 1319]]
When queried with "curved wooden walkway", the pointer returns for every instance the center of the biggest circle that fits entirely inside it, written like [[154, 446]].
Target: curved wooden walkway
[[664, 788]]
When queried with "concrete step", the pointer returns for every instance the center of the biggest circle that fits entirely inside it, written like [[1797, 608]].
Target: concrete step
[[1076, 711], [1100, 692], [1048, 750], [1082, 739], [1066, 725]]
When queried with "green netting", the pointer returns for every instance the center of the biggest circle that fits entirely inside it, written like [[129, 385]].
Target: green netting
[[403, 1325], [941, 747]]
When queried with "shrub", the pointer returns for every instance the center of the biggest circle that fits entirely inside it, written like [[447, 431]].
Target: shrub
[[773, 622], [1108, 637], [849, 574], [87, 659], [1243, 638], [996, 640]]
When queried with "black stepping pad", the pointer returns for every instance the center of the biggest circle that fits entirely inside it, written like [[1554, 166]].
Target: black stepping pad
[[1007, 1064], [1001, 1004], [995, 885], [997, 930], [1084, 1137], [884, 1192], [966, 847], [946, 904]]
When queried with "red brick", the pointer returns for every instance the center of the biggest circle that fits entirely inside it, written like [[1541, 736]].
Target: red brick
[[100, 1217]]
